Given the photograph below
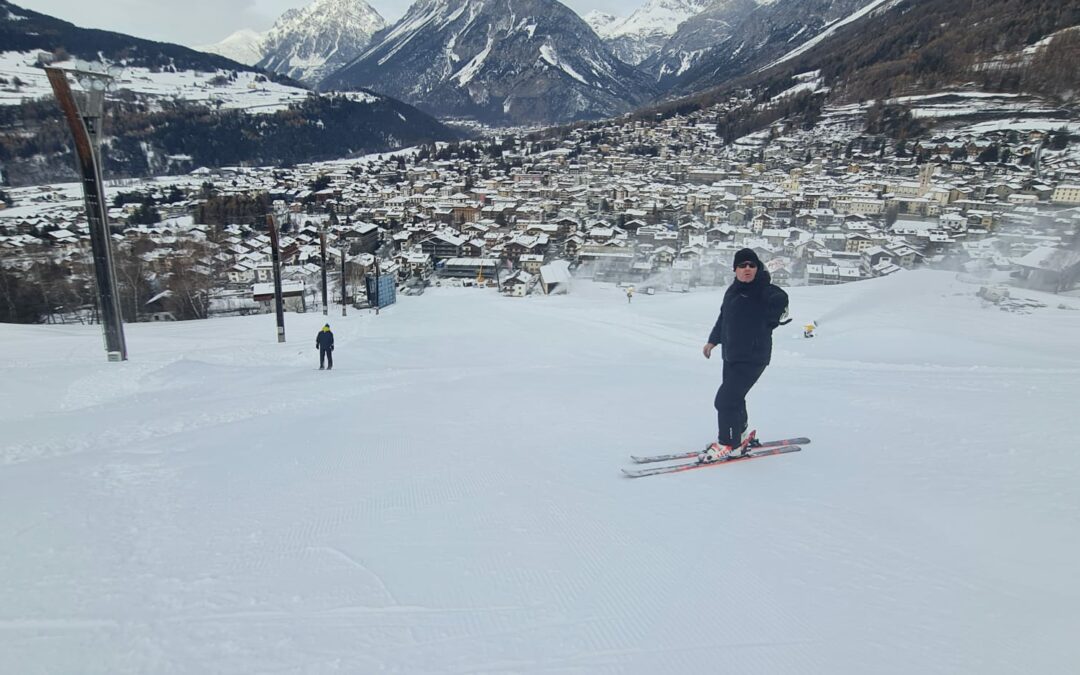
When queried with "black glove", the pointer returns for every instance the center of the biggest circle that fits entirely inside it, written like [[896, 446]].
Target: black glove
[[784, 319], [777, 299]]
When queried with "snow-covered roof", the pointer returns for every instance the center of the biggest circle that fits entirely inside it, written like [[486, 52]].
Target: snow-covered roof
[[558, 271], [287, 288], [1049, 258]]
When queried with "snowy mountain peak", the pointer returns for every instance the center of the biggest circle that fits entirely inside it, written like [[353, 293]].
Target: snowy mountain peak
[[659, 17], [244, 46], [643, 33], [346, 15], [602, 22], [311, 42]]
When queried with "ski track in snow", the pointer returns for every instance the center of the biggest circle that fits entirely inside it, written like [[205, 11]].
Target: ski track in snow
[[448, 498]]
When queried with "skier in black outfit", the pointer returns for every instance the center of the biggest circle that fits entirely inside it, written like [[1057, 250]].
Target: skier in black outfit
[[752, 308], [324, 342]]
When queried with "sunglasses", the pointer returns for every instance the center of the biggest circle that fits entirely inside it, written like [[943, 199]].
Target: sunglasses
[[746, 266]]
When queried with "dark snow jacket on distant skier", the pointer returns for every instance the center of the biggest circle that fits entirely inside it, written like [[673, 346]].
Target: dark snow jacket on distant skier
[[325, 340], [747, 318]]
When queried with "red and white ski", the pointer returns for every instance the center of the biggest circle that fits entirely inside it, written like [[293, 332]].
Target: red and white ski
[[688, 455], [756, 453]]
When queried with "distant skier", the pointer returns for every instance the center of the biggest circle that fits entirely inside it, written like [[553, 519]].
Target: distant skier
[[808, 329], [752, 308], [324, 342], [629, 294]]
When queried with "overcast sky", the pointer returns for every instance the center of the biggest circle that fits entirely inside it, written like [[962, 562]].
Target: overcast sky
[[202, 22]]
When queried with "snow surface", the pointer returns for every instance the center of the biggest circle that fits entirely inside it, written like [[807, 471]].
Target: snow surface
[[549, 55], [470, 69], [1032, 49], [928, 98], [1029, 124], [448, 498], [944, 104], [807, 82]]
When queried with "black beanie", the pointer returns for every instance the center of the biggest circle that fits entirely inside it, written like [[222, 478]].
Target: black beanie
[[745, 255]]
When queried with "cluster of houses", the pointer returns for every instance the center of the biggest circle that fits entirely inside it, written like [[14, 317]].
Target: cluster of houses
[[662, 203]]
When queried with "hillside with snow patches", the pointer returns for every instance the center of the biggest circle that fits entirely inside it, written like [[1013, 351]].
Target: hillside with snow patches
[[160, 98], [247, 90], [251, 119], [448, 499], [721, 41]]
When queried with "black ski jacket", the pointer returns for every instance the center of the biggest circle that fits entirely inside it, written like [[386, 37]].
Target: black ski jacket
[[747, 318], [325, 340]]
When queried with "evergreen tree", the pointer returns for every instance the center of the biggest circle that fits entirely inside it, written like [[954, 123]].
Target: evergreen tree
[[1058, 140], [146, 214], [991, 154]]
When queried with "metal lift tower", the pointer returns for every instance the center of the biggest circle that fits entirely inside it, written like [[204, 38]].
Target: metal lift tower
[[84, 115]]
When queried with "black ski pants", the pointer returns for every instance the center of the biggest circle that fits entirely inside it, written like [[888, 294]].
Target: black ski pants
[[326, 355], [730, 403]]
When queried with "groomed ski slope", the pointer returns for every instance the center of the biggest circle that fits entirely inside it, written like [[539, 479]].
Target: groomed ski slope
[[448, 499]]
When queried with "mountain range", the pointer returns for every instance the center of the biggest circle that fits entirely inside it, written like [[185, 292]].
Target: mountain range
[[525, 62], [861, 50], [536, 62]]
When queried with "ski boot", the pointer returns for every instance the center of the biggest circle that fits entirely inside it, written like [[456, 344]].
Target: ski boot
[[717, 452], [714, 453], [751, 439], [749, 443]]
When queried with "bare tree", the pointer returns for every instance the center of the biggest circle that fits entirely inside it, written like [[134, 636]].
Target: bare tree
[[19, 302], [135, 277], [190, 278]]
